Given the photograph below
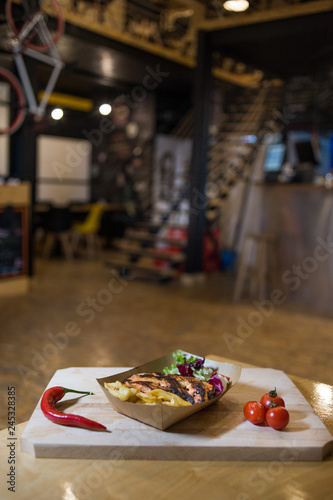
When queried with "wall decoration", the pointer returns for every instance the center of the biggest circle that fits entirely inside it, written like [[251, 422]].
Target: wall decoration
[[123, 173], [4, 139], [171, 163], [120, 114], [132, 130]]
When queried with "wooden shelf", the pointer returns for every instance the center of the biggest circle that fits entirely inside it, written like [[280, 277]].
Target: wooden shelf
[[15, 194], [16, 280]]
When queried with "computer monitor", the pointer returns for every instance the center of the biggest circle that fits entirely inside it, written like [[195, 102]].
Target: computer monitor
[[274, 160], [306, 152]]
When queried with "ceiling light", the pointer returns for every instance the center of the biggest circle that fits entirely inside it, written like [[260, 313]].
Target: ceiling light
[[105, 109], [236, 5], [57, 114]]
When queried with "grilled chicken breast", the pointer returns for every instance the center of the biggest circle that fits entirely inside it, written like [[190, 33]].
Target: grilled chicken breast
[[188, 388]]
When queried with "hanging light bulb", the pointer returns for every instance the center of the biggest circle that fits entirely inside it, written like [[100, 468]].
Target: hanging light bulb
[[236, 5], [57, 113], [105, 109]]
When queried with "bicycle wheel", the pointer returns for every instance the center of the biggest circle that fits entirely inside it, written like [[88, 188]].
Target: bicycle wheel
[[12, 103], [20, 12]]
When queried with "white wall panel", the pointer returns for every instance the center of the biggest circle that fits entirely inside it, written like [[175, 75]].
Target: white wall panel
[[63, 169], [62, 194], [63, 158]]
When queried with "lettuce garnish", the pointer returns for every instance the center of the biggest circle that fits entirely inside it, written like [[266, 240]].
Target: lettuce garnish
[[194, 367], [216, 381]]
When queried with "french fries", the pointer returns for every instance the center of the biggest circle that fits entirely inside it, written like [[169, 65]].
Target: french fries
[[153, 397], [158, 396], [121, 391]]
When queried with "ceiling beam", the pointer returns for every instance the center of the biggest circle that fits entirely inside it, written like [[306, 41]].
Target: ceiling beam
[[243, 80], [95, 33], [273, 30], [221, 23]]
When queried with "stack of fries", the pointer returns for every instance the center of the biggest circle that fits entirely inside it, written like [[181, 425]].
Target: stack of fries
[[153, 397]]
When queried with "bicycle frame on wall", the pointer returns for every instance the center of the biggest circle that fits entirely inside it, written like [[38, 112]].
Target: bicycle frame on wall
[[21, 45]]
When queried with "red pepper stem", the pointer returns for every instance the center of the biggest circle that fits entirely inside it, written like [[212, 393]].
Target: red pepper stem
[[87, 393]]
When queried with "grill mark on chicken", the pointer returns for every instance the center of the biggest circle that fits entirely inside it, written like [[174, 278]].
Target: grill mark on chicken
[[198, 389], [188, 388]]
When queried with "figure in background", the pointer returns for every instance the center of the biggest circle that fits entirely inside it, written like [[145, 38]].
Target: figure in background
[[167, 176]]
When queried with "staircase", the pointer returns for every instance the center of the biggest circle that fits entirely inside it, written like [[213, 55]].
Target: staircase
[[156, 250], [235, 142], [147, 253]]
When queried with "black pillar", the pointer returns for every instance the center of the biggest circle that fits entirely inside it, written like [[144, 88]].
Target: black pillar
[[23, 154], [23, 166], [202, 113]]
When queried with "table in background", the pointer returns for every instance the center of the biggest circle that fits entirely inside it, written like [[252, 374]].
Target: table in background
[[73, 479]]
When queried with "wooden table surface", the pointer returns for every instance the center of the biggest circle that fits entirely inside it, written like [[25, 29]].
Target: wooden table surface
[[70, 479]]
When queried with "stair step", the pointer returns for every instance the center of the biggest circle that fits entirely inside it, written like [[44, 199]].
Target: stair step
[[140, 271], [148, 225], [145, 237], [138, 252]]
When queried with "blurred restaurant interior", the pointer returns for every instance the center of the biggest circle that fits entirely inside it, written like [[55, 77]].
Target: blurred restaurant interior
[[175, 192]]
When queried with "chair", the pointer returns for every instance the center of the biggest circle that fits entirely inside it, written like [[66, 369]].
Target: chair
[[264, 268], [58, 228], [88, 229]]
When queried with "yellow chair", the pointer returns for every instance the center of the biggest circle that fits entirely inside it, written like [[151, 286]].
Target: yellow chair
[[88, 229]]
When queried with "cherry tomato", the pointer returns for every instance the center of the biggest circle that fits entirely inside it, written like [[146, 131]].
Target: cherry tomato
[[277, 417], [271, 397], [254, 412]]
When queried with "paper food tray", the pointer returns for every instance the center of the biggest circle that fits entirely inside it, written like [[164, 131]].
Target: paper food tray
[[163, 416]]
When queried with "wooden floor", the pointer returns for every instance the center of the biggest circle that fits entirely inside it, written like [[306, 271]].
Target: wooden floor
[[81, 314]]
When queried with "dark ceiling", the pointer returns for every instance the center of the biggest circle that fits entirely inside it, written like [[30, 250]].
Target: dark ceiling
[[96, 64], [113, 64], [284, 48]]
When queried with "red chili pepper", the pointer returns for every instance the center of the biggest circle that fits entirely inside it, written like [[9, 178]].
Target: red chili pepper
[[52, 396]]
